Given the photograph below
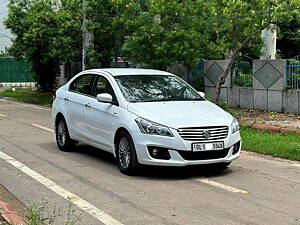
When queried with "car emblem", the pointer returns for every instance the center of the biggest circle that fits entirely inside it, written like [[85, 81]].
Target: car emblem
[[206, 133]]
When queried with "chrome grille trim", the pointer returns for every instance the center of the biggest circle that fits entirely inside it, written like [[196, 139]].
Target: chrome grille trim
[[196, 133]]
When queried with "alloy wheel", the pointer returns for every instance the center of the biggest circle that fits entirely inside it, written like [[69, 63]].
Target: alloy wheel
[[61, 133], [124, 153]]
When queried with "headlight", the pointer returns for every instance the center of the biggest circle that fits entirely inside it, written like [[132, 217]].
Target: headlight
[[149, 127], [235, 127]]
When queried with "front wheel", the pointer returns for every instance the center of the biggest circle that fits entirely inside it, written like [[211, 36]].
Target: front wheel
[[63, 140], [126, 154]]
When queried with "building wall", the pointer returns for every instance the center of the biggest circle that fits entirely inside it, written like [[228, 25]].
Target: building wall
[[5, 35]]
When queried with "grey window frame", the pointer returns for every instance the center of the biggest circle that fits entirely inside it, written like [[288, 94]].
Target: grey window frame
[[92, 85], [115, 101]]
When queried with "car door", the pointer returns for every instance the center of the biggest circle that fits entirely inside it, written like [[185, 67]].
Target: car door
[[80, 91], [99, 116]]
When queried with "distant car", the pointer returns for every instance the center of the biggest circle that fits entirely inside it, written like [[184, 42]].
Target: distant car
[[146, 117]]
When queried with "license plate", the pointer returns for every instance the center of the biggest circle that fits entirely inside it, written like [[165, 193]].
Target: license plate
[[196, 147]]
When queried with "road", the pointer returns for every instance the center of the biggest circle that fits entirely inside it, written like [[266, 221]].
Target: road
[[254, 190]]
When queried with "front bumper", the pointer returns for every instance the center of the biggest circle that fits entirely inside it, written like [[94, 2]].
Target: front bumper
[[180, 150]]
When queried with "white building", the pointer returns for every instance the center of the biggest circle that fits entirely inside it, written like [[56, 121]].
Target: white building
[[5, 35]]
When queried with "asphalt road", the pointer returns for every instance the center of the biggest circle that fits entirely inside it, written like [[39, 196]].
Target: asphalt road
[[254, 190]]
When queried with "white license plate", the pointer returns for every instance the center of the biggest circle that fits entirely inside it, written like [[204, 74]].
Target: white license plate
[[196, 147]]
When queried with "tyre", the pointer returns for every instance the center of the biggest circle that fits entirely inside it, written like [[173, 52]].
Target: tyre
[[126, 155], [63, 140]]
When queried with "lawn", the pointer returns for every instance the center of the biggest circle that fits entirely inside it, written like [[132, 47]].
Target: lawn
[[28, 95], [284, 145]]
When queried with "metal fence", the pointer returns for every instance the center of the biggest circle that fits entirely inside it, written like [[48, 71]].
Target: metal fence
[[242, 74], [15, 70], [293, 74]]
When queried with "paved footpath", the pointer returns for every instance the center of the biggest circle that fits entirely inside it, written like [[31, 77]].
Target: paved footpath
[[254, 190]]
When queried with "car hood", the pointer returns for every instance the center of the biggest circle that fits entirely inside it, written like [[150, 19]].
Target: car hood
[[176, 114]]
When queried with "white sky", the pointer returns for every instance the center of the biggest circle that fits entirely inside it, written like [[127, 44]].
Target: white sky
[[4, 33]]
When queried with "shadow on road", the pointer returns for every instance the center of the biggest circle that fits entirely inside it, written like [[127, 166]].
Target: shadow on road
[[155, 172]]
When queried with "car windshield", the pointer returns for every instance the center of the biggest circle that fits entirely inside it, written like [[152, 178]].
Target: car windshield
[[150, 88]]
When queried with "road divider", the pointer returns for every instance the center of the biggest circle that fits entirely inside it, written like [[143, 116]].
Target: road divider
[[75, 199], [223, 186], [42, 127]]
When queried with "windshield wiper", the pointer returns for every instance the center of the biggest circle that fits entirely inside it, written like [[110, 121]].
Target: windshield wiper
[[149, 100], [167, 100]]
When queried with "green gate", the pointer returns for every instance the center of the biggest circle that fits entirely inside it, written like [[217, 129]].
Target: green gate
[[15, 70]]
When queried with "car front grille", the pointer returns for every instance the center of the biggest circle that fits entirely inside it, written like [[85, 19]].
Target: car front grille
[[204, 155], [203, 133]]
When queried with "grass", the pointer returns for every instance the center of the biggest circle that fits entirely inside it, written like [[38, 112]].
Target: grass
[[28, 95], [43, 214], [283, 145], [37, 215]]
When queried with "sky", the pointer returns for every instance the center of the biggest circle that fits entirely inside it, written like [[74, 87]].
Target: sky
[[5, 35]]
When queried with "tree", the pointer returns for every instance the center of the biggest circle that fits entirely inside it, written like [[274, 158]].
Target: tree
[[240, 22], [110, 21], [67, 44], [170, 31], [44, 36], [288, 43], [189, 30], [48, 35]]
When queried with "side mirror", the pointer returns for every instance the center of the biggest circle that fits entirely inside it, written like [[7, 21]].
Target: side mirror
[[106, 98], [202, 94]]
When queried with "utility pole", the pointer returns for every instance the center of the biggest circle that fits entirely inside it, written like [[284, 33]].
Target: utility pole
[[85, 41]]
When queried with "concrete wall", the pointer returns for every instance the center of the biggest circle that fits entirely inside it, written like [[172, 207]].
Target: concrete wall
[[18, 84], [268, 91], [212, 71]]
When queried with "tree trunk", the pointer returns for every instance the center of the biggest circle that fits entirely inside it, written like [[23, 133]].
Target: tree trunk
[[228, 68]]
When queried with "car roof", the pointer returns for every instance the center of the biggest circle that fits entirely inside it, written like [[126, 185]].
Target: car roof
[[129, 71]]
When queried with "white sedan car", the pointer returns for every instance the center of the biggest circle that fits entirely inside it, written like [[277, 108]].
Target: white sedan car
[[145, 117]]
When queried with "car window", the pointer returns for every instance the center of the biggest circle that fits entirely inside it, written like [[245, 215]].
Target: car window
[[147, 88], [83, 85], [103, 86]]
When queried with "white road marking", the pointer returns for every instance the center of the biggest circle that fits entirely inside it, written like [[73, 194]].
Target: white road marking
[[2, 115], [17, 103], [42, 127], [26, 105], [38, 107], [223, 186], [296, 165], [270, 159], [75, 199]]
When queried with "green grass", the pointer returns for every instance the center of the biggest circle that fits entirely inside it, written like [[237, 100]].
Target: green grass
[[37, 215], [28, 95], [283, 145]]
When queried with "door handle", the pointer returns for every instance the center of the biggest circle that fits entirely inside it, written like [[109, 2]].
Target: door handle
[[87, 105], [66, 99]]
